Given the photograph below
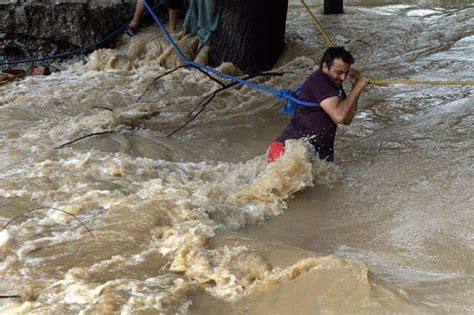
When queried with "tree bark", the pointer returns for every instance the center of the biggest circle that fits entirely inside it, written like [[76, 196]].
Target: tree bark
[[333, 6], [251, 34]]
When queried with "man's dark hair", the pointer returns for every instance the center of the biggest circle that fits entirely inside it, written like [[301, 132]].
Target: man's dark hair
[[333, 53]]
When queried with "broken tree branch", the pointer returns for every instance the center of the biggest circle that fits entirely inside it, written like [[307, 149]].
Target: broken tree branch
[[175, 69], [208, 98], [84, 137], [102, 107], [46, 208], [159, 77]]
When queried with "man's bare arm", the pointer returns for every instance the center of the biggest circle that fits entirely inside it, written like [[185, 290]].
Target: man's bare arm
[[342, 112]]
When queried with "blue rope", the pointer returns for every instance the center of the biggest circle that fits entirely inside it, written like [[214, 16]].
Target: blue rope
[[165, 32], [68, 54], [283, 94]]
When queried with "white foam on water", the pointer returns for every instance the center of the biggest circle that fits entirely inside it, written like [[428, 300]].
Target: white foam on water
[[139, 208]]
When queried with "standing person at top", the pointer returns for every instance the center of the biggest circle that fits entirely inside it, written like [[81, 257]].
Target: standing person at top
[[202, 18], [173, 14], [324, 86]]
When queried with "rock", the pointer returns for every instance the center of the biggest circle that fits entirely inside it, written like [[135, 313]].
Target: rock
[[32, 28]]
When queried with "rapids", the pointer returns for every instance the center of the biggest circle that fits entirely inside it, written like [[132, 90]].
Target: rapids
[[198, 223]]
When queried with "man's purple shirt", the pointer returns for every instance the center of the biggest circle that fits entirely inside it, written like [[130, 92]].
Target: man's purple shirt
[[314, 122]]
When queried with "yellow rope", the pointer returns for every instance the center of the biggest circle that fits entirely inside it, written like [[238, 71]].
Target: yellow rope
[[385, 82], [328, 40], [330, 43]]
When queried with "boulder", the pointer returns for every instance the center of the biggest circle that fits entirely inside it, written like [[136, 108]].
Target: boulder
[[33, 28]]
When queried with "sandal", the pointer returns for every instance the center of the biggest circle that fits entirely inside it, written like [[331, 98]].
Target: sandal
[[131, 30]]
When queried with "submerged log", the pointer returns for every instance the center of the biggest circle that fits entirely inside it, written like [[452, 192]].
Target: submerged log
[[250, 35]]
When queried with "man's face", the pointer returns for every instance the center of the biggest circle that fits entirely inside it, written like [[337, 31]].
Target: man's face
[[338, 71]]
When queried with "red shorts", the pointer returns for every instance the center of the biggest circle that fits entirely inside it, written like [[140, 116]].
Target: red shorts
[[275, 151]]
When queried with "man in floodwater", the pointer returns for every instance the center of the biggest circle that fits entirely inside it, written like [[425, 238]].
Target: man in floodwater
[[324, 86]]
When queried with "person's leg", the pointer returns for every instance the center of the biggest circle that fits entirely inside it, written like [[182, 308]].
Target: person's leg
[[174, 7], [173, 19], [139, 7]]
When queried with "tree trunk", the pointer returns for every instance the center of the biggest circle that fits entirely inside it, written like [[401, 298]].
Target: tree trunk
[[250, 34], [333, 6]]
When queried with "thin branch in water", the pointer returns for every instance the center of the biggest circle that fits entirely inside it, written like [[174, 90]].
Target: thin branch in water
[[367, 44], [159, 77], [208, 98], [102, 107], [211, 95], [209, 76], [214, 93], [203, 107], [10, 296], [187, 121], [84, 137], [47, 208], [173, 70]]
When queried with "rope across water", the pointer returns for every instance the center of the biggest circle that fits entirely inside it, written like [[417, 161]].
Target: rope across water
[[284, 94], [330, 43]]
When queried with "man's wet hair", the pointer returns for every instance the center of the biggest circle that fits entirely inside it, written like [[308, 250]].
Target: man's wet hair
[[333, 53]]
